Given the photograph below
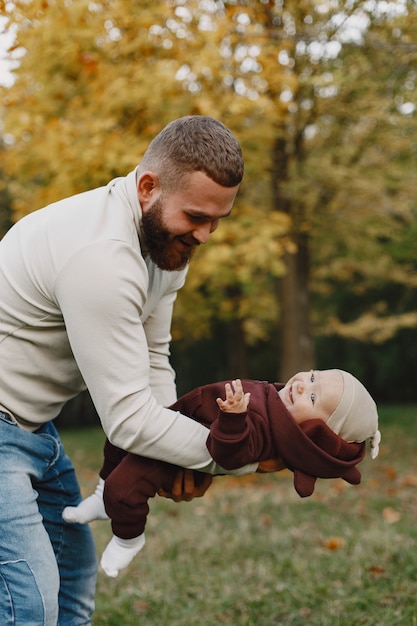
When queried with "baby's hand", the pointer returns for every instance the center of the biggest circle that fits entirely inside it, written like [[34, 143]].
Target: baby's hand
[[236, 400]]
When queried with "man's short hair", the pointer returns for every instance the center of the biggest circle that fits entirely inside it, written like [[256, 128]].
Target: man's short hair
[[194, 143]]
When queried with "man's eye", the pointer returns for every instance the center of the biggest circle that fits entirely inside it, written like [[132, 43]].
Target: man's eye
[[312, 376], [313, 397], [198, 219]]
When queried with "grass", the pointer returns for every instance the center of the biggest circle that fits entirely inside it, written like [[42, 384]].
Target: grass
[[252, 553]]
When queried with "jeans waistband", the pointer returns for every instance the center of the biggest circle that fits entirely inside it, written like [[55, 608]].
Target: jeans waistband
[[7, 416]]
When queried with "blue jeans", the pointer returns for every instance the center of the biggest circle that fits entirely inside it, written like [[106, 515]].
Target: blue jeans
[[48, 568]]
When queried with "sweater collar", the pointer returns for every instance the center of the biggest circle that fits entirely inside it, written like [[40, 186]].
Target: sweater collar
[[126, 188]]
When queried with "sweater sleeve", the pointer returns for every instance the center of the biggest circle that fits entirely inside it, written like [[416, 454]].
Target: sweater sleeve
[[234, 440], [157, 329], [102, 292]]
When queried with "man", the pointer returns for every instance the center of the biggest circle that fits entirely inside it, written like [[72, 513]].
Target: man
[[87, 290]]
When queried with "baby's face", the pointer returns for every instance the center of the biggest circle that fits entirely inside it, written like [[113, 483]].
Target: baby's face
[[312, 395]]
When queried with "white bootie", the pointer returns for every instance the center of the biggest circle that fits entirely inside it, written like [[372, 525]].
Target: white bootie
[[90, 509], [119, 553]]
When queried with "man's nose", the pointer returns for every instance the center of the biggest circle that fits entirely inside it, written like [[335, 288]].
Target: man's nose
[[202, 233]]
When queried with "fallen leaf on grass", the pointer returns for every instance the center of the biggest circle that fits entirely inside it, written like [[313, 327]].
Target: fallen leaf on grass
[[337, 485], [390, 515], [376, 570], [386, 602], [410, 481], [391, 473], [141, 606], [334, 543]]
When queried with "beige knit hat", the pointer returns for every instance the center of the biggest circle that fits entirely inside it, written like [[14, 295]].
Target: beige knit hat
[[355, 418]]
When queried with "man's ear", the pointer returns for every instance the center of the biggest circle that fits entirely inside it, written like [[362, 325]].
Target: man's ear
[[148, 188]]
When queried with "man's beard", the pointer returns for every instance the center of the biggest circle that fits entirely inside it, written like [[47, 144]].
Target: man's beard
[[160, 244]]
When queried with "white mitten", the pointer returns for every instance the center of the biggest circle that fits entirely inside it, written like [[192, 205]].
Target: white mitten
[[90, 509], [119, 553]]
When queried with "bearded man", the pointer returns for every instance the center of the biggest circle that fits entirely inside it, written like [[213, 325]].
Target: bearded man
[[87, 290]]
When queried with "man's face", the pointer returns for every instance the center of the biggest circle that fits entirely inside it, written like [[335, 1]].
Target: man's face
[[173, 225]]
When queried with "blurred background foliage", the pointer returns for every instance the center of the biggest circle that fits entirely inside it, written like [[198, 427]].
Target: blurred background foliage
[[317, 266]]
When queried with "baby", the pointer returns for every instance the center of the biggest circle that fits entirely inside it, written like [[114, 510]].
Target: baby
[[316, 425]]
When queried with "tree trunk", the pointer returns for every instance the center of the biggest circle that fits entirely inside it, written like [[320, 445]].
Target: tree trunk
[[237, 352], [297, 353]]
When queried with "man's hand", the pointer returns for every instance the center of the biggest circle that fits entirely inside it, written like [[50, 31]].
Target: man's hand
[[186, 486], [236, 400]]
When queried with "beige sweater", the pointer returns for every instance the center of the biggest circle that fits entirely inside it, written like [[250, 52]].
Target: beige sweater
[[82, 307]]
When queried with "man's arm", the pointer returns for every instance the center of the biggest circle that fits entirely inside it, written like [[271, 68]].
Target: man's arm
[[102, 292], [157, 328], [186, 485]]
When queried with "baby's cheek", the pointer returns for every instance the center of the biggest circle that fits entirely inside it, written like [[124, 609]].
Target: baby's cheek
[[300, 412]]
